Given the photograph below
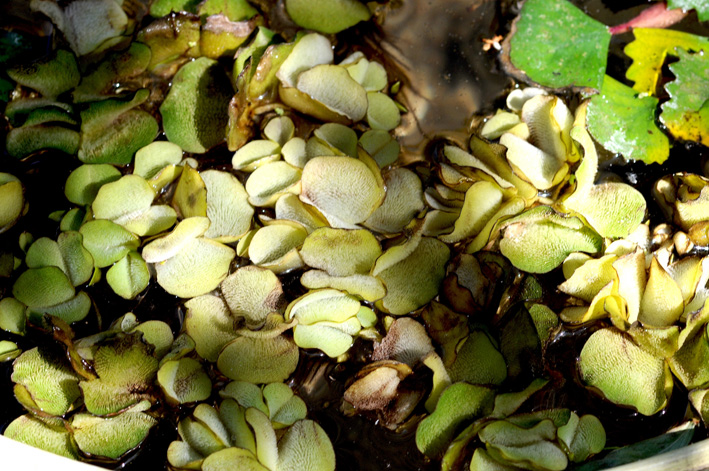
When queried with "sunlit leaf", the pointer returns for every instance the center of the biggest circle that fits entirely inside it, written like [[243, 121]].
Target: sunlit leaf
[[624, 122], [557, 45], [686, 114]]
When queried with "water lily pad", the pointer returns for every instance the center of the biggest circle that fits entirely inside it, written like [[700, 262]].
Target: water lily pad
[[624, 122], [111, 437], [253, 293], [557, 45], [195, 110], [624, 373], [113, 130], [198, 268], [459, 403], [51, 77], [45, 382], [259, 360], [412, 273], [686, 114], [327, 16], [48, 434]]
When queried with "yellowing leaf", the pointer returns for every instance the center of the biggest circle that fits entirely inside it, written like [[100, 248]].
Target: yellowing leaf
[[686, 114], [649, 50]]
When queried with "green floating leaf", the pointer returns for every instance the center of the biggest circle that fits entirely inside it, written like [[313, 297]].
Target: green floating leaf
[[46, 434], [253, 293], [625, 374], [228, 209], [538, 240], [51, 77], [126, 368], [45, 382], [535, 447], [111, 437], [327, 16], [84, 182], [459, 403], [623, 122], [259, 360], [412, 273], [333, 87], [172, 40], [26, 140], [557, 45], [154, 157], [116, 68], [478, 360], [699, 5], [305, 445], [12, 201], [12, 316], [686, 114], [107, 242], [235, 10], [195, 110], [184, 381], [209, 323], [128, 276], [160, 8], [341, 252], [113, 130], [46, 286]]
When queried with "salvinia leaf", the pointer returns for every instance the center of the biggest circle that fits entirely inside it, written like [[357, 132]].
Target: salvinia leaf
[[624, 123], [701, 6], [686, 114], [649, 50], [557, 45]]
